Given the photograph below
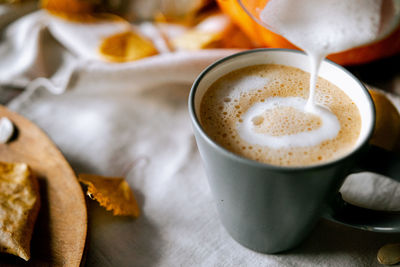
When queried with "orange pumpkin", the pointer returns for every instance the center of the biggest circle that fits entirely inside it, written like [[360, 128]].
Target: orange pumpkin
[[264, 38]]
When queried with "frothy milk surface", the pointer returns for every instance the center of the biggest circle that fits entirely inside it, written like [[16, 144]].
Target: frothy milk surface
[[258, 112]]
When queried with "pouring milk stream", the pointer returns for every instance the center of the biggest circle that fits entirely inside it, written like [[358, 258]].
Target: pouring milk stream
[[323, 27], [319, 27]]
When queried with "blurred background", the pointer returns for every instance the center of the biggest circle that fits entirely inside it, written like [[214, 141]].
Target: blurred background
[[121, 31]]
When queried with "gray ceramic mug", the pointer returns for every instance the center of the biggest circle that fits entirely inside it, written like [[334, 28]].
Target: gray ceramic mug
[[271, 208]]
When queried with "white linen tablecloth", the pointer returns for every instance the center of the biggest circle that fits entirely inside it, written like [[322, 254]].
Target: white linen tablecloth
[[131, 120]]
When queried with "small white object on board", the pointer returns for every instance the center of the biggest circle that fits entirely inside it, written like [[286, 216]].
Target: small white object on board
[[6, 130]]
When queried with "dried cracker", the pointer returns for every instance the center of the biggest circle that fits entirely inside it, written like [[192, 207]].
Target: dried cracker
[[126, 46], [113, 193], [19, 207]]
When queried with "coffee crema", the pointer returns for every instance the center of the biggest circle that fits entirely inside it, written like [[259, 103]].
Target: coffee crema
[[259, 112]]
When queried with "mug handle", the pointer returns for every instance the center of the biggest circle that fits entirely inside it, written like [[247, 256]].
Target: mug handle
[[379, 161]]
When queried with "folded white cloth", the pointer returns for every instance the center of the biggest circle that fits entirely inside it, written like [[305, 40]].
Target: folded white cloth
[[131, 120]]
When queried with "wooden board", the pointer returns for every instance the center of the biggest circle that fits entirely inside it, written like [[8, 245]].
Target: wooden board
[[60, 231]]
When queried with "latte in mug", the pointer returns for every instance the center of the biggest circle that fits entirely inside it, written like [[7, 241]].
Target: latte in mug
[[258, 112]]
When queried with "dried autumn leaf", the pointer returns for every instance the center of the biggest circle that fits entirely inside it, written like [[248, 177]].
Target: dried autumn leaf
[[195, 40], [89, 17], [13, 1], [176, 11], [113, 193], [215, 30], [68, 6], [126, 46], [179, 8], [19, 207], [235, 38]]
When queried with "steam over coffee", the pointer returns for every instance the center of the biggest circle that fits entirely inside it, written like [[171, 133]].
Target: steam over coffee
[[259, 112]]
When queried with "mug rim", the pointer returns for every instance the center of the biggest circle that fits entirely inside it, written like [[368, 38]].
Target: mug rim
[[196, 123]]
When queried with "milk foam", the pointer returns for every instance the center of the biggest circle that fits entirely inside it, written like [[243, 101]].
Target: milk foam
[[323, 27], [329, 128], [243, 85], [259, 112]]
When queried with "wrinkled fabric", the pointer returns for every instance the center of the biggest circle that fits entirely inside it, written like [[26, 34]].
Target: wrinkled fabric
[[131, 120]]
